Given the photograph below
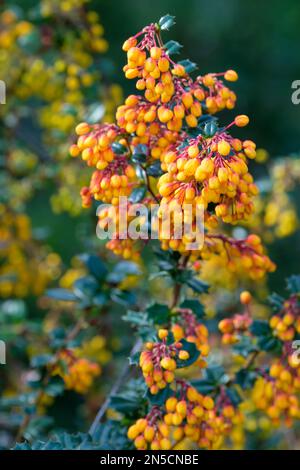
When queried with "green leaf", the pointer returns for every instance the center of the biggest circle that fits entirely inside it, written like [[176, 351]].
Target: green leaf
[[134, 359], [166, 22], [138, 194], [123, 297], [245, 346], [61, 294], [203, 386], [260, 328], [210, 129], [172, 47], [155, 169], [234, 396], [194, 305], [118, 148], [121, 270], [245, 378], [41, 360], [276, 301], [124, 403], [215, 373], [293, 284], [214, 376], [55, 387], [157, 313], [140, 153], [198, 286], [13, 310], [95, 266], [85, 287], [188, 65], [269, 343], [22, 446], [160, 398], [136, 318]]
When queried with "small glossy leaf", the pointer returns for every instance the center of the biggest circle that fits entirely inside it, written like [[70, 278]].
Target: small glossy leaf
[[61, 294], [194, 305], [138, 194], [166, 22], [172, 47], [188, 65], [158, 313]]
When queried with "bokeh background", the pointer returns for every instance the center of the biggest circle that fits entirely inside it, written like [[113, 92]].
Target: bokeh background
[[42, 225]]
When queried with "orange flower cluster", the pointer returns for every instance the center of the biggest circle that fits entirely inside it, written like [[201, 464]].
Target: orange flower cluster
[[233, 327], [192, 416], [140, 118], [286, 323], [169, 85], [248, 253], [114, 176], [212, 170], [159, 361], [205, 168], [187, 326], [109, 219], [77, 373], [277, 393]]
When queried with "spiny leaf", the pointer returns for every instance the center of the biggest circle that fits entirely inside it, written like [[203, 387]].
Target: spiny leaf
[[172, 47], [166, 22]]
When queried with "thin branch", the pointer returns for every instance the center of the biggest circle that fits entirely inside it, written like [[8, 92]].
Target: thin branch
[[114, 390]]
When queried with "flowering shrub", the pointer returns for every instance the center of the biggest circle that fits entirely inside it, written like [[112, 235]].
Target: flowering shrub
[[205, 371]]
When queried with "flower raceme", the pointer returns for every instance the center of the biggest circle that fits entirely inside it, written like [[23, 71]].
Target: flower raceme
[[190, 419], [214, 171], [159, 361], [201, 163], [77, 373], [286, 323]]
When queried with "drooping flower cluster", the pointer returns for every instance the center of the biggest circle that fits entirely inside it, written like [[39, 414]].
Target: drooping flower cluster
[[201, 164], [286, 323], [277, 393], [160, 360], [77, 373], [190, 417]]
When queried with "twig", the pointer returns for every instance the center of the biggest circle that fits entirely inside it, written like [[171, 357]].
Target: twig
[[114, 390]]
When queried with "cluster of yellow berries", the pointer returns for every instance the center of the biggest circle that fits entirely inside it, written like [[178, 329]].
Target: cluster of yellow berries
[[286, 323], [19, 250], [248, 252], [77, 373], [277, 393], [233, 327], [114, 176], [109, 219], [158, 361], [142, 119], [188, 327], [47, 56], [192, 418], [239, 324]]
